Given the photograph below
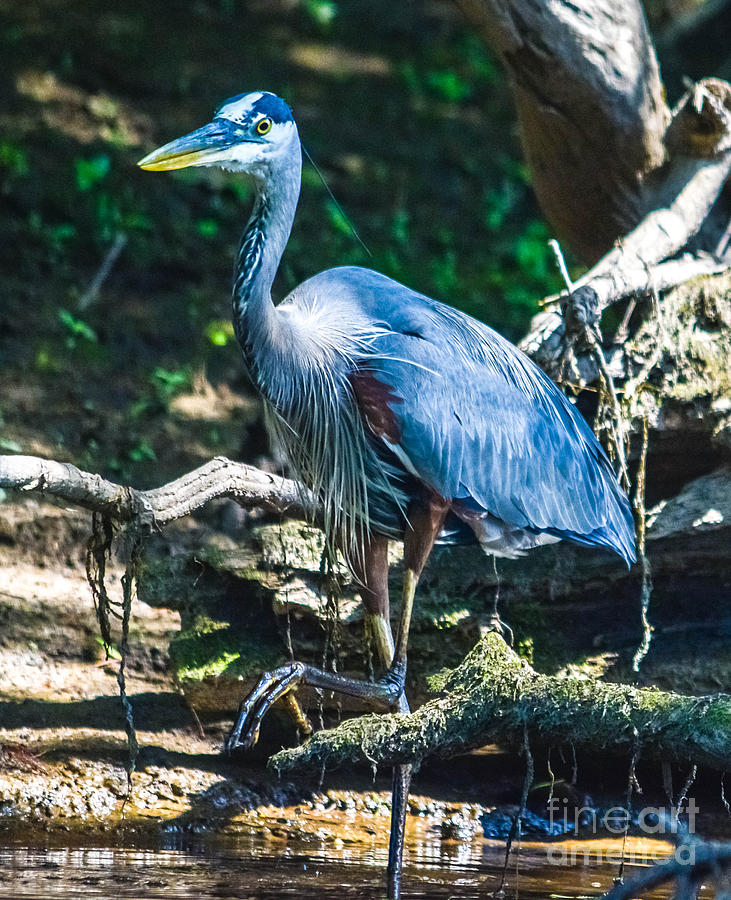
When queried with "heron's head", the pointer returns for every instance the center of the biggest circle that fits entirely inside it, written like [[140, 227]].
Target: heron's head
[[248, 133]]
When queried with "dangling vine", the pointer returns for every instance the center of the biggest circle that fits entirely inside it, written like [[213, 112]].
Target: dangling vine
[[98, 551], [613, 419]]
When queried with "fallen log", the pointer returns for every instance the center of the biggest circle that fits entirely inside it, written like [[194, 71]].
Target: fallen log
[[494, 695]]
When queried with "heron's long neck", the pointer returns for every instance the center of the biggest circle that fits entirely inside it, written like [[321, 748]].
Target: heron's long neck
[[257, 323]]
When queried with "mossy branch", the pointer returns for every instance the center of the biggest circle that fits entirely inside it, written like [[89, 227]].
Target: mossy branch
[[494, 693]]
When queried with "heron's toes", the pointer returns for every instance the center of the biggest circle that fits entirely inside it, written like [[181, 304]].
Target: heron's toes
[[394, 681], [271, 686], [243, 735]]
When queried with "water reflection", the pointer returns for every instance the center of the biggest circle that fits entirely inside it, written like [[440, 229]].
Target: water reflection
[[257, 867]]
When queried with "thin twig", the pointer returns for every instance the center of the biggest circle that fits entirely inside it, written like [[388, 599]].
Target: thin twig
[[641, 528], [516, 824], [631, 782], [128, 590], [561, 262], [95, 285], [619, 437]]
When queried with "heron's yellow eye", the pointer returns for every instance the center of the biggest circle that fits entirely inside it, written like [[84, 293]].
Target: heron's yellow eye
[[264, 126]]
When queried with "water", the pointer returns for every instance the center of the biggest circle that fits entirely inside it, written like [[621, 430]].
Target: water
[[256, 867]]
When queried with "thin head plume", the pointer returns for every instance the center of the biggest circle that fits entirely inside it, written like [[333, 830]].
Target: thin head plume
[[334, 200]]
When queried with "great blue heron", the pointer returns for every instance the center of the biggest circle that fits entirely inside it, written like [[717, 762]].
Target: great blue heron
[[407, 419]]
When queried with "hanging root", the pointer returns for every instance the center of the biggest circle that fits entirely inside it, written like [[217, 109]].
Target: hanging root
[[631, 786], [97, 552], [129, 583]]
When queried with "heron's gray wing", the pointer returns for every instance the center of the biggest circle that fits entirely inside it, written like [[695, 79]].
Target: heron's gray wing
[[476, 420]]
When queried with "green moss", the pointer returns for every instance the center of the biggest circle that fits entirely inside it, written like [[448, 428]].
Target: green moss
[[494, 695], [213, 648], [719, 716]]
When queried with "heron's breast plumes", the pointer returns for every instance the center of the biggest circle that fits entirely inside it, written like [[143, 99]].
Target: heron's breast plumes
[[314, 414]]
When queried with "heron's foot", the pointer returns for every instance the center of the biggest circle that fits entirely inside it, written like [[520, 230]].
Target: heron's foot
[[387, 692], [271, 686], [393, 685]]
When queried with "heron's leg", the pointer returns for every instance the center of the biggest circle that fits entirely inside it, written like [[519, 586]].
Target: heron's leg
[[426, 520], [372, 572], [374, 577]]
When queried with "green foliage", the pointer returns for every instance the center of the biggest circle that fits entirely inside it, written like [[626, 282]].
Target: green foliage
[[13, 159], [77, 329], [448, 85], [110, 652], [207, 228], [337, 218], [89, 172], [219, 332], [141, 451], [532, 252], [169, 383], [321, 12], [163, 386], [130, 456], [54, 238]]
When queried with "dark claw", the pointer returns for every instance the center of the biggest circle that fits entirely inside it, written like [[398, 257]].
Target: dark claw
[[271, 686]]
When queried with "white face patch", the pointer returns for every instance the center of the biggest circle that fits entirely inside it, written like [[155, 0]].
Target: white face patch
[[240, 109]]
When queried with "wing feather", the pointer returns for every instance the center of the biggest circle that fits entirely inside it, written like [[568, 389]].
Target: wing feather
[[479, 421]]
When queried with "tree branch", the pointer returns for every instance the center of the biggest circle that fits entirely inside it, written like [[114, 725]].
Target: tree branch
[[221, 477], [683, 195], [697, 862], [494, 693]]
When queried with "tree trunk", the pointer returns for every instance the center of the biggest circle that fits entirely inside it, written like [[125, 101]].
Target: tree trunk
[[590, 105]]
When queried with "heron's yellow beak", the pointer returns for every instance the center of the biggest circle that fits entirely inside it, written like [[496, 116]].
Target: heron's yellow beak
[[199, 148]]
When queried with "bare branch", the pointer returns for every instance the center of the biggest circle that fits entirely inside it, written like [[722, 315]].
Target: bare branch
[[695, 861], [678, 199], [221, 477], [92, 291], [635, 265], [545, 340]]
